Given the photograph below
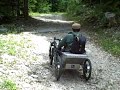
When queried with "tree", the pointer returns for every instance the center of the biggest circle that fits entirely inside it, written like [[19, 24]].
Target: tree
[[14, 8], [25, 9]]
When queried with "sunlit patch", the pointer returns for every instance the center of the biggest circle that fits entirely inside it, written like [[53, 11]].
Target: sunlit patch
[[42, 45], [52, 18]]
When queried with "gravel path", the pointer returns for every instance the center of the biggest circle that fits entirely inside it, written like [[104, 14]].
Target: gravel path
[[37, 75]]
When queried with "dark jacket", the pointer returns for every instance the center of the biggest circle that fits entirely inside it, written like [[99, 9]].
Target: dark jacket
[[67, 41]]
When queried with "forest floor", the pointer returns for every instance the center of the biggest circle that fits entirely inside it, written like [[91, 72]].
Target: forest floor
[[28, 65]]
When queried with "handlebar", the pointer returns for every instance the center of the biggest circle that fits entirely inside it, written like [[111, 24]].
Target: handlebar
[[57, 39]]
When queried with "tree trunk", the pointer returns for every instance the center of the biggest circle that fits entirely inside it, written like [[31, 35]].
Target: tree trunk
[[18, 9], [26, 9]]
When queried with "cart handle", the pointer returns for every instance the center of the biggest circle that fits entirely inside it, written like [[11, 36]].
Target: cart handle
[[57, 39]]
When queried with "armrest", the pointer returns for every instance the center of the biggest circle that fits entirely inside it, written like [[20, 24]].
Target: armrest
[[71, 55]]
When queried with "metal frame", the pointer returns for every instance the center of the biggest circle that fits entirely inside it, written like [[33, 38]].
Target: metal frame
[[66, 60]]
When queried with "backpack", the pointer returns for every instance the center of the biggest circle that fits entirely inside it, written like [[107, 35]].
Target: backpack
[[78, 44]]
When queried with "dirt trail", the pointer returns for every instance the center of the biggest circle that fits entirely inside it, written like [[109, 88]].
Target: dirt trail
[[105, 74], [37, 75]]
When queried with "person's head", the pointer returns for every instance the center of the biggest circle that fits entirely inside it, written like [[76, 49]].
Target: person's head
[[76, 27]]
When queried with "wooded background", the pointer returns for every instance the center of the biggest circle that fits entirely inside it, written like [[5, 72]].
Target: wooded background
[[21, 8]]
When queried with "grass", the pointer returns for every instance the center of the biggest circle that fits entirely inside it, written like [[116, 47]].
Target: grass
[[8, 85], [70, 17], [12, 44], [109, 40], [18, 45], [34, 14], [8, 46]]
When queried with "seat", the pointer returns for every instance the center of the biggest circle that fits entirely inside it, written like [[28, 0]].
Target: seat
[[70, 58]]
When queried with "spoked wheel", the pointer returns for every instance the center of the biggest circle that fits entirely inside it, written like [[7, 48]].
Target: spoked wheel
[[51, 54], [57, 72], [58, 68], [87, 68]]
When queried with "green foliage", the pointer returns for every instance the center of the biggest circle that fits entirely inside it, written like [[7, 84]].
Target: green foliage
[[73, 7], [109, 39], [18, 45], [8, 85], [34, 14], [93, 11], [62, 5], [110, 46], [45, 6], [41, 6], [4, 6], [8, 47], [11, 28]]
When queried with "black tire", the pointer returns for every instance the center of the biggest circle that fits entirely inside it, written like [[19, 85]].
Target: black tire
[[87, 69], [57, 72], [58, 68], [51, 54]]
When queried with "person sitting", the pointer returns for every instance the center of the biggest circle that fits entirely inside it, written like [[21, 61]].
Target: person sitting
[[74, 41]]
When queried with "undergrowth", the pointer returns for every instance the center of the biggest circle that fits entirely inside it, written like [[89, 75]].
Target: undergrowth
[[10, 29], [108, 39], [93, 18], [8, 85]]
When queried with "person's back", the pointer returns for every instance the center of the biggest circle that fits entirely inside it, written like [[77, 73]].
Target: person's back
[[68, 40]]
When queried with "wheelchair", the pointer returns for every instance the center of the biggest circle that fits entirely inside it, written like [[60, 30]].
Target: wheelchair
[[65, 60]]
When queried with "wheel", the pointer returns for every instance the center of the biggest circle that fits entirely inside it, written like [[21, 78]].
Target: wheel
[[87, 68], [57, 72], [58, 68], [51, 54]]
